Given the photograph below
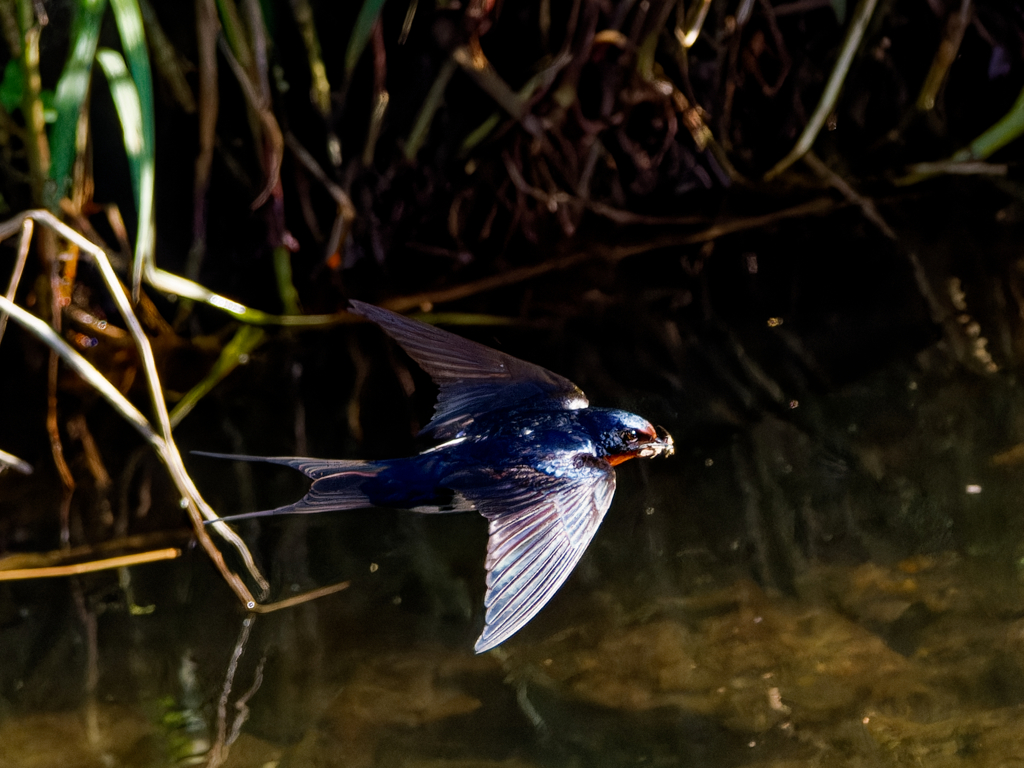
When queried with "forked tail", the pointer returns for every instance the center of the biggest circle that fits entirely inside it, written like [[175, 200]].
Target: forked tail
[[337, 484]]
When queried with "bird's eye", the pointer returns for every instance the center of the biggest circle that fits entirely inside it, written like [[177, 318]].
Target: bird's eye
[[628, 435]]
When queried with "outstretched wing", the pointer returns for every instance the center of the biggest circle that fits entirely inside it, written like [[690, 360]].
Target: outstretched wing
[[473, 379], [541, 522]]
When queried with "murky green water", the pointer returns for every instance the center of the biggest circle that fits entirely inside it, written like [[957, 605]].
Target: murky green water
[[868, 614]]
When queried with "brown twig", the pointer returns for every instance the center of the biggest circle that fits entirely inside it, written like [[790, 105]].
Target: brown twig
[[78, 429], [160, 438], [866, 205], [272, 141], [76, 569], [59, 291], [613, 254], [19, 267], [207, 29], [381, 97], [166, 59], [138, 541], [346, 211]]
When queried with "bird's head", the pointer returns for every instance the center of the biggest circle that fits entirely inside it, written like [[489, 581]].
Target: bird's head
[[621, 435]]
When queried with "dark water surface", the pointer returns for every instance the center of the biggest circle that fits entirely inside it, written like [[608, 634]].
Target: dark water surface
[[650, 655], [827, 573]]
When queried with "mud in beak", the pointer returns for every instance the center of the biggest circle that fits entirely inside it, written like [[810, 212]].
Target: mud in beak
[[664, 443], [661, 445]]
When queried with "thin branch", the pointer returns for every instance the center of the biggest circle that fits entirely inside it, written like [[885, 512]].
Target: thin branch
[[273, 140], [19, 267], [613, 254], [866, 205], [49, 572], [162, 439], [854, 34]]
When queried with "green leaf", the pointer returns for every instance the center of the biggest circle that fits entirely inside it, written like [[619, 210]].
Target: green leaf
[[235, 352], [133, 40], [1008, 128], [234, 31], [49, 111], [11, 86], [839, 6], [361, 32], [285, 285], [71, 92], [129, 109]]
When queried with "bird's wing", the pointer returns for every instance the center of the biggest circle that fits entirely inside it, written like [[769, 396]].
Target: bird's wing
[[473, 379], [541, 521]]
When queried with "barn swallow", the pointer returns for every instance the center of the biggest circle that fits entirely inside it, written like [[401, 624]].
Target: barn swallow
[[518, 444]]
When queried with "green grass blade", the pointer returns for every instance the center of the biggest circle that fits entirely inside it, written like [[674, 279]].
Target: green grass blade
[[37, 146], [234, 32], [855, 32], [1008, 128], [133, 40], [168, 282], [12, 86], [361, 32], [285, 285], [435, 97], [71, 91], [129, 110], [235, 353], [140, 162]]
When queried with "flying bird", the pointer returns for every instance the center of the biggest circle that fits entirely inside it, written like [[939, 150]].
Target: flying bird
[[518, 444]]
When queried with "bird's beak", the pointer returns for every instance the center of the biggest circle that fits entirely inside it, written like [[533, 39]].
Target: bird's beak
[[662, 444]]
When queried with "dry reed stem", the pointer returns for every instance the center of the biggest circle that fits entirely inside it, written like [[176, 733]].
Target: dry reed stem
[[159, 437], [75, 569]]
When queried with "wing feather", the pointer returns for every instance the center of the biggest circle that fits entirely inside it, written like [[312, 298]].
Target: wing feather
[[541, 522], [542, 585], [473, 379], [506, 595]]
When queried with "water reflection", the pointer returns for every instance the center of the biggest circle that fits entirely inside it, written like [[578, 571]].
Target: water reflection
[[870, 664]]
